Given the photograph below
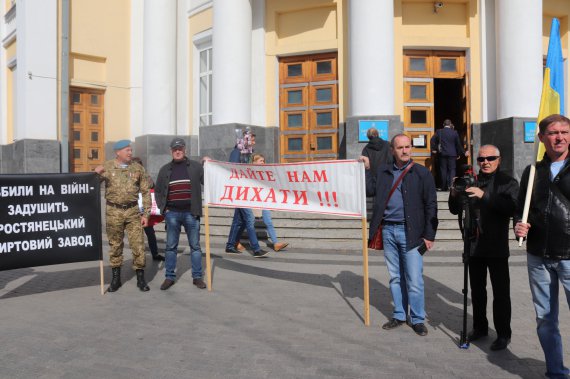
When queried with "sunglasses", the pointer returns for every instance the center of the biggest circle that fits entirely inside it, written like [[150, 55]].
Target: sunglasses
[[489, 158]]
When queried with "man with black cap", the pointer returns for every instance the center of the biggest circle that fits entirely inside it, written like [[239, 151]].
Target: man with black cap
[[179, 197], [124, 179]]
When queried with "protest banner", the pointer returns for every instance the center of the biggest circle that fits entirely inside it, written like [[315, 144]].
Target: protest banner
[[48, 219], [324, 187]]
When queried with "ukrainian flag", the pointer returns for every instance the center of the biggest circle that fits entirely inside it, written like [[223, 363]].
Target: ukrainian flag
[[552, 98]]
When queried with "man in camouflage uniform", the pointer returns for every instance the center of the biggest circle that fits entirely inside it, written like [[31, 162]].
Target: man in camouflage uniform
[[124, 180]]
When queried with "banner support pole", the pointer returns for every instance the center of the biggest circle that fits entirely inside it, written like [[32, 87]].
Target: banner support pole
[[208, 263], [366, 286], [102, 277]]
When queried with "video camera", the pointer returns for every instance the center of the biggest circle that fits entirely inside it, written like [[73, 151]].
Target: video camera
[[468, 179]]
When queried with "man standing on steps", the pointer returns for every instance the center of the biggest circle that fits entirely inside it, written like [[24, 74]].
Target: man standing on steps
[[178, 195], [124, 179], [405, 208]]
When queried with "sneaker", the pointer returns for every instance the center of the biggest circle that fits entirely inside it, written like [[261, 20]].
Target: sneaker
[[280, 246], [167, 284], [198, 282], [240, 247], [420, 329], [260, 253], [475, 334], [232, 250], [393, 323], [158, 258]]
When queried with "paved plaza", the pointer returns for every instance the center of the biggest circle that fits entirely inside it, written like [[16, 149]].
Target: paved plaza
[[297, 314]]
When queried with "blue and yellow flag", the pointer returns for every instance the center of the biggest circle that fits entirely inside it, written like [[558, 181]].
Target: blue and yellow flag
[[552, 98]]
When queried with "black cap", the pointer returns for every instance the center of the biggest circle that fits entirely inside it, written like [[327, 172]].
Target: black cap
[[177, 142]]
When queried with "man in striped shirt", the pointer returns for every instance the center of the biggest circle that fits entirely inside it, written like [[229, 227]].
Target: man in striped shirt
[[179, 196]]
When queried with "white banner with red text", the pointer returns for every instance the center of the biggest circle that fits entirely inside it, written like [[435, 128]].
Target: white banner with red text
[[327, 187]]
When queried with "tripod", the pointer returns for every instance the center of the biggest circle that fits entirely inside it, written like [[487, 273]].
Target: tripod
[[468, 227]]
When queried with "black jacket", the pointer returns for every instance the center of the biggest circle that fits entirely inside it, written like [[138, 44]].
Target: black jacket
[[378, 152], [495, 210], [449, 141], [420, 202], [196, 173], [549, 213]]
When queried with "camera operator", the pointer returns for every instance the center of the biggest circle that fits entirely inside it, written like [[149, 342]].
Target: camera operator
[[493, 197]]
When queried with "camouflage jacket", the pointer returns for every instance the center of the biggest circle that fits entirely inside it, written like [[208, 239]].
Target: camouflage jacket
[[122, 185]]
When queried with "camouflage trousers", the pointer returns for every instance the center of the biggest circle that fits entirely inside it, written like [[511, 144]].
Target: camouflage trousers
[[119, 221]]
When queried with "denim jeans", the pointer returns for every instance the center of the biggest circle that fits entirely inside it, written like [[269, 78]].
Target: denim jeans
[[406, 274], [174, 221], [243, 219], [269, 225], [543, 275]]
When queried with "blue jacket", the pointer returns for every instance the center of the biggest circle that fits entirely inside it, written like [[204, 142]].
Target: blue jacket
[[449, 141], [420, 202]]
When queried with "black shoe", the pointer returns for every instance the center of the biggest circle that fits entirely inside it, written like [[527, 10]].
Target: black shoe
[[260, 253], [232, 250], [393, 323], [167, 284], [141, 283], [420, 329], [475, 334], [500, 343], [198, 282], [116, 280], [157, 258]]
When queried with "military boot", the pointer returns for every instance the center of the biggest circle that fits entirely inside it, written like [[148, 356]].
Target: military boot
[[116, 280], [141, 283]]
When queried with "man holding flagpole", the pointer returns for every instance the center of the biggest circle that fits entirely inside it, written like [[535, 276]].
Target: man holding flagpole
[[545, 218]]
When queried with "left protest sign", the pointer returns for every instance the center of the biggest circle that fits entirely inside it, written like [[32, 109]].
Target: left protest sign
[[49, 219]]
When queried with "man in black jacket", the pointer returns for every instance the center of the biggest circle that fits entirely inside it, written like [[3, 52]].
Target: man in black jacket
[[548, 237], [178, 194], [376, 150], [409, 222], [494, 199], [445, 142]]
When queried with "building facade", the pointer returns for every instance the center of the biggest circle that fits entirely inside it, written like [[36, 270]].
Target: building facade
[[309, 76]]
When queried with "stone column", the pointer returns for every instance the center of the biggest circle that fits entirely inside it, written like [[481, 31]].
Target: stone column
[[371, 57], [231, 50], [519, 57], [159, 67]]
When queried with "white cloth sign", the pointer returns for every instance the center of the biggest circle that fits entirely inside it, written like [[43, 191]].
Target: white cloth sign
[[327, 187]]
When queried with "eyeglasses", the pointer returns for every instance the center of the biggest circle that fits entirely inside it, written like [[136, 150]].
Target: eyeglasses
[[489, 158]]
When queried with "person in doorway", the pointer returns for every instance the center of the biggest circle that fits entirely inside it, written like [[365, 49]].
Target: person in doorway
[[124, 179], [179, 198], [494, 199], [446, 144], [266, 214], [548, 237], [406, 207]]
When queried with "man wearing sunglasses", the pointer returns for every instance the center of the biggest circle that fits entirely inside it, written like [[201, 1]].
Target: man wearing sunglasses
[[494, 200], [548, 237]]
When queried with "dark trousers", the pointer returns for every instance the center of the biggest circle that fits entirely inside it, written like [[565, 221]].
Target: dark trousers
[[500, 282], [446, 170], [151, 237]]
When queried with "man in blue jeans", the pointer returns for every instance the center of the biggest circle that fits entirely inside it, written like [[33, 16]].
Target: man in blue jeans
[[408, 218], [179, 197], [243, 219], [548, 237]]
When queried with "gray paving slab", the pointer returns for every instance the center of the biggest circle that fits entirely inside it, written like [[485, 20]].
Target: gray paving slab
[[297, 314]]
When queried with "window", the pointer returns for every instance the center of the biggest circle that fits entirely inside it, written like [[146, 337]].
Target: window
[[202, 78]]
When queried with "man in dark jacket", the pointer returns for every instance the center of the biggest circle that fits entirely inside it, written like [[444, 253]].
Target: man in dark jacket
[[409, 223], [445, 142], [178, 195], [494, 200], [548, 237], [376, 150]]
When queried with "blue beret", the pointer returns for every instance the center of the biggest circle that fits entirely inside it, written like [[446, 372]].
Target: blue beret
[[121, 144]]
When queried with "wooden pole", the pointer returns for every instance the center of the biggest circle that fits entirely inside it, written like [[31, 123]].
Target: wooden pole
[[365, 274], [527, 198], [208, 263], [102, 277]]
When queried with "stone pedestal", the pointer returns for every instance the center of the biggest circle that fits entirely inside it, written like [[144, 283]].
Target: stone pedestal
[[30, 156], [353, 147]]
